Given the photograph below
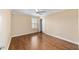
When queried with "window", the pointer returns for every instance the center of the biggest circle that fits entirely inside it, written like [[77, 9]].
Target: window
[[34, 23]]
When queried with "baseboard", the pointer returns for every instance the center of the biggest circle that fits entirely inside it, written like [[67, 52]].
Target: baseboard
[[63, 38], [18, 35], [9, 43], [5, 47], [23, 34]]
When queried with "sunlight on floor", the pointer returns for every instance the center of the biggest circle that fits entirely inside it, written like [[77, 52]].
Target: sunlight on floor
[[34, 42]]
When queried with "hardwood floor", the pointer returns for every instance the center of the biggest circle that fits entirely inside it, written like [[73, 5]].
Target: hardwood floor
[[40, 41]]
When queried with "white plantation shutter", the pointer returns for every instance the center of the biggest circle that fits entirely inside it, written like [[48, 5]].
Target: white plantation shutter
[[34, 23]]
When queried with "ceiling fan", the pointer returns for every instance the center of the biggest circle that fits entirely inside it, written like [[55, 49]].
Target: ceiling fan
[[40, 11]]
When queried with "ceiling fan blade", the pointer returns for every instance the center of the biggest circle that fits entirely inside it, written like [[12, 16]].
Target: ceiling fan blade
[[41, 12]]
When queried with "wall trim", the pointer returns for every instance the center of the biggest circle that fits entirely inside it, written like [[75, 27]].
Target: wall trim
[[8, 44], [63, 38], [23, 34], [6, 47]]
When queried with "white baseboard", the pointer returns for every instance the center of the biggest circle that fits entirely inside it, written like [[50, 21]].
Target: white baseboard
[[5, 47], [22, 34], [17, 35], [8, 43], [63, 39]]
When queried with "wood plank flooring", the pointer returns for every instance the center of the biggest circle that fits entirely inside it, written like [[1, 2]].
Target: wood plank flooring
[[40, 41]]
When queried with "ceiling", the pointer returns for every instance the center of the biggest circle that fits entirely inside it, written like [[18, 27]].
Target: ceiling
[[32, 12]]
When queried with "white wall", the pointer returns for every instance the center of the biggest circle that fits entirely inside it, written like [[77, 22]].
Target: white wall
[[5, 22], [21, 24], [63, 25], [78, 25]]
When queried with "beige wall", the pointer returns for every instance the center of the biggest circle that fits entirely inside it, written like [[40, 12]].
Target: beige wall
[[21, 24], [5, 22], [63, 25], [78, 23]]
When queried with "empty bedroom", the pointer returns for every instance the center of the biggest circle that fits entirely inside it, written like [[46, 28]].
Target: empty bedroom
[[39, 29]]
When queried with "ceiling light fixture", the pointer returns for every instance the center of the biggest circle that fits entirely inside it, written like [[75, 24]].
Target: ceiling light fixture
[[39, 11], [36, 10]]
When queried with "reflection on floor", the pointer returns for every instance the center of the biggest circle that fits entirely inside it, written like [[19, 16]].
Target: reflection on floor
[[40, 41]]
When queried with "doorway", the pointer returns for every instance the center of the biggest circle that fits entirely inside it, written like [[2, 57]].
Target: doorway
[[41, 25]]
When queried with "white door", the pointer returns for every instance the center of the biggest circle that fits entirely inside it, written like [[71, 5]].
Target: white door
[[5, 18]]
